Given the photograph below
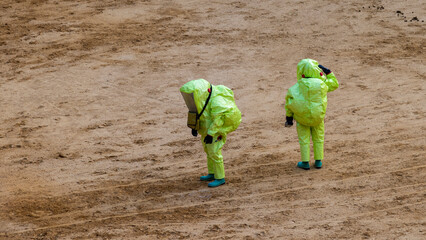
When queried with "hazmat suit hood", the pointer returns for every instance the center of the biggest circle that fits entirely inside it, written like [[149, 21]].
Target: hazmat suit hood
[[306, 100], [200, 91], [308, 68], [221, 115]]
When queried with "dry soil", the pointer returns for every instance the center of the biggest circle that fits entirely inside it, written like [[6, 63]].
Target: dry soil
[[93, 136]]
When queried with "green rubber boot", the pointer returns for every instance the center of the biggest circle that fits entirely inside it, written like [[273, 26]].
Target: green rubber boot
[[303, 165], [318, 164], [208, 177], [217, 182]]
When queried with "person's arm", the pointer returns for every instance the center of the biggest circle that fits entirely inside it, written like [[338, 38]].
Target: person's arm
[[218, 108], [288, 98], [331, 80], [216, 125], [288, 113]]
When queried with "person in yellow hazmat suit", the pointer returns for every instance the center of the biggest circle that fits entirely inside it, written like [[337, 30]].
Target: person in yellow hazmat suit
[[306, 102], [213, 114]]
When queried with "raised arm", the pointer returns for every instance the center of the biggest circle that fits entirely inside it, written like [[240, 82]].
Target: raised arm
[[331, 80]]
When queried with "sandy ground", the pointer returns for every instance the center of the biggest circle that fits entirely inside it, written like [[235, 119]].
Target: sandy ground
[[93, 136]]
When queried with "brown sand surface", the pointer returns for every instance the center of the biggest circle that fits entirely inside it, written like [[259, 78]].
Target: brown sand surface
[[93, 136]]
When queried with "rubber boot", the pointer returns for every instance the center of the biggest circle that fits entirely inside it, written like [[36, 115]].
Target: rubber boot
[[208, 177], [217, 182], [303, 165], [318, 164]]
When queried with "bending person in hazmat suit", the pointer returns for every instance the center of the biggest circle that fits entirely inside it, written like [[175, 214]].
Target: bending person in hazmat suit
[[212, 113], [306, 102]]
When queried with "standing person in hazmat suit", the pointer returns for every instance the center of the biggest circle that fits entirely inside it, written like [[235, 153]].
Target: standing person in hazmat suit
[[212, 113], [306, 102]]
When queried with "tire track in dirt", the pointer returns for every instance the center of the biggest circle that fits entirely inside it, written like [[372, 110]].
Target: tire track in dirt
[[227, 200], [288, 168], [257, 195], [374, 211], [333, 219], [292, 172]]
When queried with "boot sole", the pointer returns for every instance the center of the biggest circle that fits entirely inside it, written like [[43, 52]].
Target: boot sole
[[304, 168], [217, 185]]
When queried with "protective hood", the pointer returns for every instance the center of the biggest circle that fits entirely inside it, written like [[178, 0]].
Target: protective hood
[[308, 68], [221, 115], [199, 89], [306, 100]]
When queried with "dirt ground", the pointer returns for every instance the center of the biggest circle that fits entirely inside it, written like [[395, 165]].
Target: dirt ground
[[93, 136]]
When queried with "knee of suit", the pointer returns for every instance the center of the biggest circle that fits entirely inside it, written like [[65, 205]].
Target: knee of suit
[[304, 141], [318, 137], [216, 158], [304, 138]]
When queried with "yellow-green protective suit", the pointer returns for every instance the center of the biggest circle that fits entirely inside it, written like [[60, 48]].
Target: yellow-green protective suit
[[306, 102], [220, 117]]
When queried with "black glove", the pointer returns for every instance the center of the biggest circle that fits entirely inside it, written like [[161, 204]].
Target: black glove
[[289, 121], [194, 132], [324, 69], [208, 139]]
